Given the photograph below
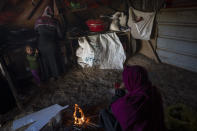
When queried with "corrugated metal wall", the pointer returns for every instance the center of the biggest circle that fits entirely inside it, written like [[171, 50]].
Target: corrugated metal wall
[[177, 37], [146, 5]]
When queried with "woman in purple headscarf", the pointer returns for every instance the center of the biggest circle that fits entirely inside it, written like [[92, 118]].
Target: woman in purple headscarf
[[49, 32], [138, 110]]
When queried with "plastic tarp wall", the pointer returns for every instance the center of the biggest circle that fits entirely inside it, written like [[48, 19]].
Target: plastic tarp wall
[[103, 50]]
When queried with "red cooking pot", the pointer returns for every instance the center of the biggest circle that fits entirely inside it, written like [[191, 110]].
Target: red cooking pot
[[96, 25]]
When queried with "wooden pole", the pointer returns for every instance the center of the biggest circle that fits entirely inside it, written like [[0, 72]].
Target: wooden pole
[[34, 10], [154, 52], [61, 11]]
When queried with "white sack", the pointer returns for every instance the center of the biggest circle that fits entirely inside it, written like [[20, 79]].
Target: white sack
[[102, 50], [114, 26], [123, 19], [142, 29], [118, 19]]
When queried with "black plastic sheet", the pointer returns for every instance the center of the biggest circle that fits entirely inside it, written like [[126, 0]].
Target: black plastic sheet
[[13, 38]]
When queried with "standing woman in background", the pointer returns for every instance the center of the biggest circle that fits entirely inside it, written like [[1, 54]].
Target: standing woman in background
[[49, 32]]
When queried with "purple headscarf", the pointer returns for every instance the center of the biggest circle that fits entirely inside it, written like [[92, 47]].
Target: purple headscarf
[[46, 19], [141, 109]]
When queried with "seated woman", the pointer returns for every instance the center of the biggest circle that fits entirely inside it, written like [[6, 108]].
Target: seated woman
[[138, 110]]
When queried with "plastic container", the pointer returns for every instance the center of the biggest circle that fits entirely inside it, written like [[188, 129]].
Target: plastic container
[[97, 25]]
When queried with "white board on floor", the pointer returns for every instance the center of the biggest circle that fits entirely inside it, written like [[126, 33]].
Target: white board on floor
[[38, 119]]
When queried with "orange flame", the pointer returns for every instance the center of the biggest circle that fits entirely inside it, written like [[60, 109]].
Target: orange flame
[[78, 120]]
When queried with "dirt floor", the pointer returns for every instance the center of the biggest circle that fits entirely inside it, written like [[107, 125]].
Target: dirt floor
[[92, 87]]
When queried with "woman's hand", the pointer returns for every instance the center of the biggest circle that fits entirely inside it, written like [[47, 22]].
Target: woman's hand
[[122, 86], [119, 86]]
